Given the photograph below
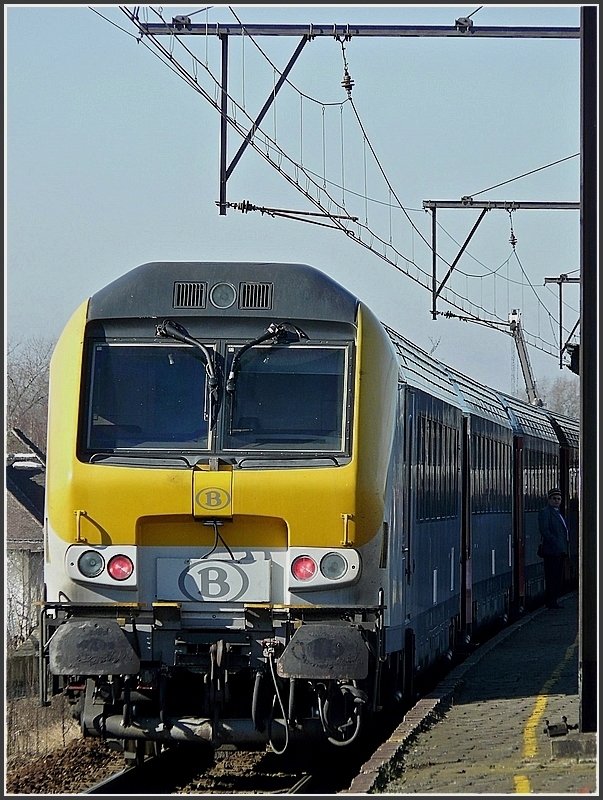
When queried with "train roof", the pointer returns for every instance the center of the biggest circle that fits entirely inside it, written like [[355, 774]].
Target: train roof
[[479, 399], [284, 290], [528, 420], [568, 429], [421, 370]]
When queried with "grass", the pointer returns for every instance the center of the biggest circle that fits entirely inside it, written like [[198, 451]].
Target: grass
[[35, 730]]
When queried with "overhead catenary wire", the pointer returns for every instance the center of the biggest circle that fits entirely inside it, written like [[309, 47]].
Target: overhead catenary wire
[[525, 174], [389, 205], [274, 67], [389, 253], [383, 254], [110, 21], [205, 8]]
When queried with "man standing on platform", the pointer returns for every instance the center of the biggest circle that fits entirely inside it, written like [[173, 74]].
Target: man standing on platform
[[554, 547]]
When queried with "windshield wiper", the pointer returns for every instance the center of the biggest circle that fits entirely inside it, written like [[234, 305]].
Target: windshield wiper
[[142, 459], [280, 333], [176, 331]]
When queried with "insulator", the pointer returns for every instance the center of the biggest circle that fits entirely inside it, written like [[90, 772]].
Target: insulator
[[513, 239], [347, 82]]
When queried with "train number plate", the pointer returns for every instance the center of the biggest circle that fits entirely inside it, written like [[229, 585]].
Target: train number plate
[[213, 581]]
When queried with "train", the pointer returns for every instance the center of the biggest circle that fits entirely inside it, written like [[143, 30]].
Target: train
[[269, 515]]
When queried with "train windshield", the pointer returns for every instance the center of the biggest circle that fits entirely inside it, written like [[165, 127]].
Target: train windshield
[[147, 397], [288, 398]]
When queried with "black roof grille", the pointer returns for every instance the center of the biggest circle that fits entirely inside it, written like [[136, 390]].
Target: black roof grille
[[255, 295], [190, 294]]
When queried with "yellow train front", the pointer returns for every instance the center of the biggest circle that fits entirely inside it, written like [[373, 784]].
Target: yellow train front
[[219, 440]]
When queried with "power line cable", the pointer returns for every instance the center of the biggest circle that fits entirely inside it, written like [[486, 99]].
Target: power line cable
[[332, 183], [183, 73], [279, 72], [546, 166], [207, 8], [110, 21]]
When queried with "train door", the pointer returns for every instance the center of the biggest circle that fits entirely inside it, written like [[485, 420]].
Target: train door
[[409, 515], [518, 598], [466, 538], [410, 493], [394, 557]]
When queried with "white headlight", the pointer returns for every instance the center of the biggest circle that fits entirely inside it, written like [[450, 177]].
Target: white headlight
[[333, 566], [222, 295], [91, 564]]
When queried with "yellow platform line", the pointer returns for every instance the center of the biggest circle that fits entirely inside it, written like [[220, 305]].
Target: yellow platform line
[[530, 742], [521, 785]]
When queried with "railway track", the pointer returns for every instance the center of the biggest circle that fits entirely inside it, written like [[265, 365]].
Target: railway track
[[193, 772], [198, 769]]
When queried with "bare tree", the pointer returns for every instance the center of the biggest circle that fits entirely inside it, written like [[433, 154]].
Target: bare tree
[[27, 367], [27, 364], [24, 578], [562, 395]]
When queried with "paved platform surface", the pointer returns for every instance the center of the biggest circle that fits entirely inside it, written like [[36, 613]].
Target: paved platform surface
[[495, 725]]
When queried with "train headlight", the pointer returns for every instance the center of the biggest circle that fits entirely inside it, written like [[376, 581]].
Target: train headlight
[[222, 295], [120, 568], [102, 565], [323, 568], [333, 566], [303, 568], [91, 564]]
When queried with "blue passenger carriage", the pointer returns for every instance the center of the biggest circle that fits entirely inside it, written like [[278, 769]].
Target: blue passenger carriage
[[536, 469], [490, 551]]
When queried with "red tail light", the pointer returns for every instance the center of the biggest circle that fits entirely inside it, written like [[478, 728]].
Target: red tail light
[[303, 568], [120, 568]]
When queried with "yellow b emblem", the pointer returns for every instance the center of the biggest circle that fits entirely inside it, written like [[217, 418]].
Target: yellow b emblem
[[212, 498]]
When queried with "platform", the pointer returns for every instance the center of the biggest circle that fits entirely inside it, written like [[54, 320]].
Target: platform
[[505, 721]]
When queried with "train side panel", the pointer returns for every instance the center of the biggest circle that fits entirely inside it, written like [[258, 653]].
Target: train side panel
[[491, 521], [435, 549]]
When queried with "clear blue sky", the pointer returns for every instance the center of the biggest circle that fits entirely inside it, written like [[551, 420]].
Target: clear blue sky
[[112, 161]]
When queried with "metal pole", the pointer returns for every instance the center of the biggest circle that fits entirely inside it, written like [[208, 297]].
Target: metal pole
[[588, 617], [561, 323], [434, 263], [223, 125], [348, 31]]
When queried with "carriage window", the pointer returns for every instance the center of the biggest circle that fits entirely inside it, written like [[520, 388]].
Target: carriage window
[[147, 397], [437, 469], [288, 398]]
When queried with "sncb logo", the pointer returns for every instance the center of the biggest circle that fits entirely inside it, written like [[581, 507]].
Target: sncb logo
[[212, 499]]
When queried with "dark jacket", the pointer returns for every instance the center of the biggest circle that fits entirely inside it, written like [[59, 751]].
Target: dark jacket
[[553, 532]]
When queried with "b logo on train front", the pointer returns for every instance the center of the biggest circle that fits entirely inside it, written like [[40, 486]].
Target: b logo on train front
[[212, 499]]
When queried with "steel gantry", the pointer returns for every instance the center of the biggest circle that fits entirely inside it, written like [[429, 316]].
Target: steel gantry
[[181, 25], [485, 205], [564, 346]]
